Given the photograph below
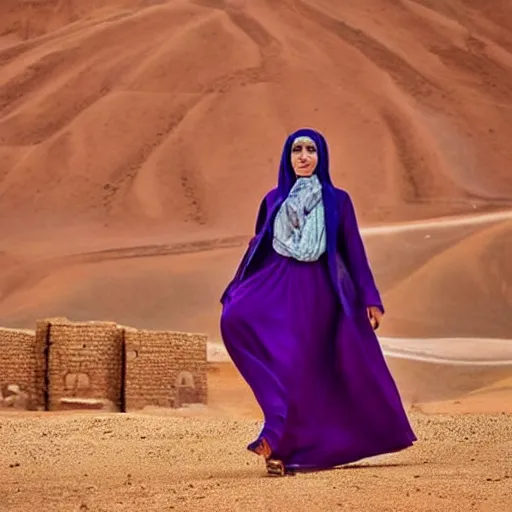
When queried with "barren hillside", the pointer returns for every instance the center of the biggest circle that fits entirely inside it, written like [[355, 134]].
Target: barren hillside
[[173, 113]]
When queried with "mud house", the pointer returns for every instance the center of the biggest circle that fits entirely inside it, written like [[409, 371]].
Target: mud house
[[100, 365]]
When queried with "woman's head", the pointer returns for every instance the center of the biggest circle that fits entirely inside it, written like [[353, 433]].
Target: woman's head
[[305, 152], [304, 156]]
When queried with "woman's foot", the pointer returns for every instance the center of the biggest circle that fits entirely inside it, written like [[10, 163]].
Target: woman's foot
[[262, 448], [275, 467]]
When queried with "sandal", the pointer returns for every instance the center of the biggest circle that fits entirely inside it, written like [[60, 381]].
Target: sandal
[[275, 467]]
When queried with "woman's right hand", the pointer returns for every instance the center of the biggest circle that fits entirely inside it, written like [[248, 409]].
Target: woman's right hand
[[375, 316]]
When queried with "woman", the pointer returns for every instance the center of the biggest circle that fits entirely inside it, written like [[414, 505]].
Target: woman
[[298, 321]]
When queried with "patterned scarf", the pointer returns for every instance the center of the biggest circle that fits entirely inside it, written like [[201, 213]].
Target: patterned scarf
[[299, 227]]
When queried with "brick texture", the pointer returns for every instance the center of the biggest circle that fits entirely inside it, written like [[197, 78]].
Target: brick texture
[[42, 343], [166, 369], [85, 362], [18, 368], [100, 365]]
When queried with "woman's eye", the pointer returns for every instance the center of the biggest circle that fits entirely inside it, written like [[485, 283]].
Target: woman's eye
[[311, 149], [297, 149]]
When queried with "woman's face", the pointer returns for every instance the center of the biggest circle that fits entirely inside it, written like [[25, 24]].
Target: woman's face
[[304, 156]]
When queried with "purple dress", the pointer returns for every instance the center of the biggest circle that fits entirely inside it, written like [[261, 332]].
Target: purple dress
[[314, 365]]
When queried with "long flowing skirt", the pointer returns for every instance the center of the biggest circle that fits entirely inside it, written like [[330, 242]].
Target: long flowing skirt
[[319, 376]]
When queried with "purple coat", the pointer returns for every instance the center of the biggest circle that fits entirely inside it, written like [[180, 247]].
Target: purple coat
[[349, 268]]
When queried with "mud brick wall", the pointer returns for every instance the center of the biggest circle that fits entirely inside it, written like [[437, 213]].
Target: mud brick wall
[[42, 343], [85, 361], [18, 369], [166, 369]]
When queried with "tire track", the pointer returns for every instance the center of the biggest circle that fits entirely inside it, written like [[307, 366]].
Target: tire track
[[269, 49], [49, 66], [189, 185], [492, 78], [153, 250], [494, 26], [7, 55], [404, 74], [98, 69], [32, 273], [122, 177], [35, 76], [410, 157], [64, 112]]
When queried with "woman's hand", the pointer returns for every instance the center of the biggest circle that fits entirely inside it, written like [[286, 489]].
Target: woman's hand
[[375, 316]]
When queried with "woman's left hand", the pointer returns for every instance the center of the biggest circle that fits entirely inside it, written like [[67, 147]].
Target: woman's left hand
[[375, 316]]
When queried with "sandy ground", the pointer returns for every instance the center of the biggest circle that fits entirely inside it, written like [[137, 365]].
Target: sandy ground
[[196, 460]]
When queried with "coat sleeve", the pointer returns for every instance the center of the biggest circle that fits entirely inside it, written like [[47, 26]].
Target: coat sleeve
[[353, 250], [261, 217]]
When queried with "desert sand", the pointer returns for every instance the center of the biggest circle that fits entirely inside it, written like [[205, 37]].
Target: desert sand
[[194, 460], [136, 140]]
